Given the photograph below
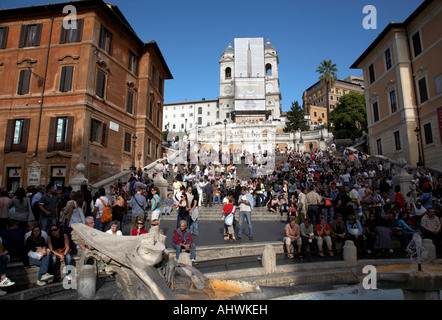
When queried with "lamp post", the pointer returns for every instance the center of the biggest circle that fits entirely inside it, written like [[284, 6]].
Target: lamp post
[[417, 131], [225, 131], [139, 159], [134, 140]]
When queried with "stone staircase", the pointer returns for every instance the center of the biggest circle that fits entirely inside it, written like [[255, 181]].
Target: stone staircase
[[214, 213]]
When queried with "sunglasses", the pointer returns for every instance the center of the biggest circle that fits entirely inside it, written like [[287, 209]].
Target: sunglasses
[[52, 230]]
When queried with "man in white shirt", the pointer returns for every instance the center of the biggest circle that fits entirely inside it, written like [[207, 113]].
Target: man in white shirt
[[346, 179], [98, 210]]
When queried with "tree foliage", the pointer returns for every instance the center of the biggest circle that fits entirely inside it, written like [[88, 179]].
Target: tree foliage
[[327, 70], [349, 118], [295, 118]]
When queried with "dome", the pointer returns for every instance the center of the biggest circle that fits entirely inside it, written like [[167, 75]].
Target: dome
[[269, 46], [228, 50]]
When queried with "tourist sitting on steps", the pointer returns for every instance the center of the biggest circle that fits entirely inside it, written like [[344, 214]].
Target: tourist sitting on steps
[[182, 239], [292, 237], [39, 255]]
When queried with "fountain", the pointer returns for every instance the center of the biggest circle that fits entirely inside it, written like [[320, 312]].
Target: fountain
[[145, 270], [419, 280]]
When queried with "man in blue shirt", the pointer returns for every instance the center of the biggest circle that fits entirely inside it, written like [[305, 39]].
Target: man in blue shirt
[[169, 203], [138, 204]]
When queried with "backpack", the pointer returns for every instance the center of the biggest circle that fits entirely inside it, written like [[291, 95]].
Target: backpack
[[106, 215], [64, 213]]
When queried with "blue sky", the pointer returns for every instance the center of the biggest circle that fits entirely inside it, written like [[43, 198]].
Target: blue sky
[[193, 34]]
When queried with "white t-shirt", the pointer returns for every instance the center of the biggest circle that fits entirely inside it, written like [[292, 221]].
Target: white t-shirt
[[119, 233], [43, 234], [100, 205]]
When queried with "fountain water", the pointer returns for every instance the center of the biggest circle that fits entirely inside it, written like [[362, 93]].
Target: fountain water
[[420, 280]]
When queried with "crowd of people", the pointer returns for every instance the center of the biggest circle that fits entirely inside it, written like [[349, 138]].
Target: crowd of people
[[326, 201]]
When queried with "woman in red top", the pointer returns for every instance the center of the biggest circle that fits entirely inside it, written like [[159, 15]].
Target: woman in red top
[[323, 234], [399, 200], [140, 229]]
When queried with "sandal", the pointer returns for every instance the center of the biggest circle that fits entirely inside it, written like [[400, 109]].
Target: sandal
[[291, 256], [331, 254], [321, 254]]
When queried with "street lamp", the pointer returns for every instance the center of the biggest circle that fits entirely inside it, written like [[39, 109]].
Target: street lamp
[[417, 131], [225, 131], [134, 140]]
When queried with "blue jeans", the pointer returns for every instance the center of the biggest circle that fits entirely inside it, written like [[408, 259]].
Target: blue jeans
[[43, 263], [193, 226], [99, 226], [46, 222], [178, 249], [216, 197], [67, 261], [328, 213], [168, 210], [248, 216]]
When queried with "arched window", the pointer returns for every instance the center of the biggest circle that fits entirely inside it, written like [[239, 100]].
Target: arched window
[[228, 73], [268, 69]]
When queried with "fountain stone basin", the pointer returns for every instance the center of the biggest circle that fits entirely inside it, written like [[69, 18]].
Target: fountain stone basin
[[415, 285]]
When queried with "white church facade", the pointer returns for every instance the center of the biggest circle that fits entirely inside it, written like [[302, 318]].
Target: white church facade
[[248, 109]]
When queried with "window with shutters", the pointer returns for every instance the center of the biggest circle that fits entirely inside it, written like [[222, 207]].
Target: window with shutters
[[133, 62], [30, 35], [371, 74], [393, 101], [149, 146], [98, 132], [129, 102], [428, 132], [24, 82], [127, 141], [66, 78], [423, 92], [100, 84], [153, 75], [72, 34], [105, 40], [417, 46], [17, 133], [60, 133], [388, 59], [397, 140], [161, 85], [150, 109], [375, 112], [3, 37], [379, 146], [158, 115]]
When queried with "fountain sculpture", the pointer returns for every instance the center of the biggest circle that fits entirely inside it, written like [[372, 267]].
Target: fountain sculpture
[[144, 270]]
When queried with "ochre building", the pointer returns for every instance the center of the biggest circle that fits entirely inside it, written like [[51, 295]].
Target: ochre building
[[76, 91]]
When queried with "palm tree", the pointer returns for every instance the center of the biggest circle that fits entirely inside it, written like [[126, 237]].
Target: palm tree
[[328, 76]]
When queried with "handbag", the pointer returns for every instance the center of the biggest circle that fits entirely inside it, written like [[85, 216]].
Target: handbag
[[35, 255], [229, 219]]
